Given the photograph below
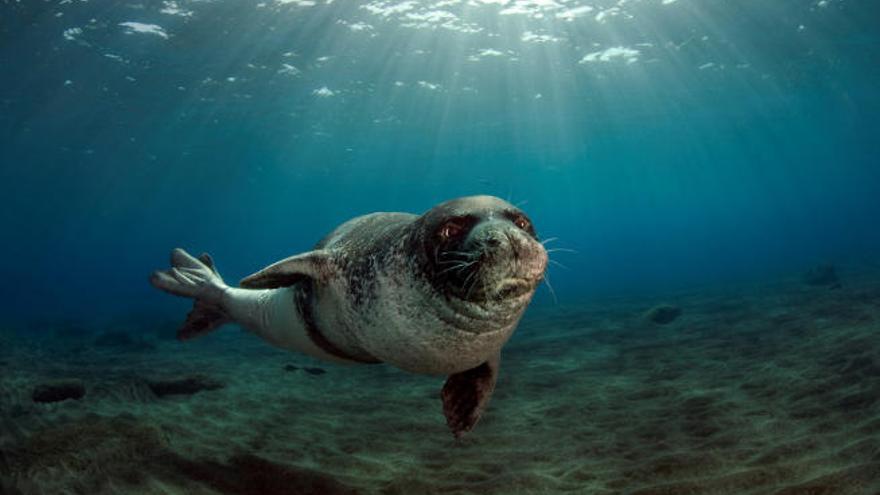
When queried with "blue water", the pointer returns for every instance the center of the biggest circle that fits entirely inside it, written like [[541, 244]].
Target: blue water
[[670, 144]]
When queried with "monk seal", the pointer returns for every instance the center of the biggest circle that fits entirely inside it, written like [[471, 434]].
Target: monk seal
[[439, 293]]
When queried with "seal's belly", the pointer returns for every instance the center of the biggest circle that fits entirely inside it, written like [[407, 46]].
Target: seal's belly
[[394, 329], [436, 354]]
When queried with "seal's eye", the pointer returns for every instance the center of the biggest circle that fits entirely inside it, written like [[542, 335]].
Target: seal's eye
[[450, 230], [522, 222]]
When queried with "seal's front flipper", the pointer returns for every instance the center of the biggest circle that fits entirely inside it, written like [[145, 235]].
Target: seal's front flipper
[[314, 264], [196, 278], [466, 394]]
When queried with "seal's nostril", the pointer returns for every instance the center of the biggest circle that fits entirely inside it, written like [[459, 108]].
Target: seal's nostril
[[493, 242]]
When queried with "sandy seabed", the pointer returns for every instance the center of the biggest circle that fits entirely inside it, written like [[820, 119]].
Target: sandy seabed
[[765, 389]]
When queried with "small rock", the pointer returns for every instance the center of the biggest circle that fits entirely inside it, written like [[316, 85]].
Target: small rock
[[822, 276], [290, 367], [315, 371], [663, 314], [184, 386], [59, 390]]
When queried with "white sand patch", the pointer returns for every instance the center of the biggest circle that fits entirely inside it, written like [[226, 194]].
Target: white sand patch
[[324, 92], [72, 34], [532, 8], [433, 19], [389, 8], [422, 15], [172, 8], [605, 15], [429, 85], [143, 28], [613, 54], [572, 14], [297, 3], [288, 70], [360, 26], [532, 37], [484, 53]]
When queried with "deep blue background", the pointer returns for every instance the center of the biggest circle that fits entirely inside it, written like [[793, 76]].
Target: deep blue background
[[659, 173]]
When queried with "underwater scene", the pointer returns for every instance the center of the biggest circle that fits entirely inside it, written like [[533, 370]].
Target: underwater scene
[[440, 247]]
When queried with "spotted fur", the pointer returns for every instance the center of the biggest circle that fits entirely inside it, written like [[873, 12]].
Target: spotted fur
[[388, 301], [438, 293]]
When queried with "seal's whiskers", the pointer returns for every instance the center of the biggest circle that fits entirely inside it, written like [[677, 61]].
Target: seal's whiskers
[[562, 250], [550, 288], [557, 263], [460, 266], [463, 285], [458, 253]]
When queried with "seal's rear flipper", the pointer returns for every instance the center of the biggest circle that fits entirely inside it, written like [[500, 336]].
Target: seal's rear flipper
[[196, 278], [203, 318], [466, 394]]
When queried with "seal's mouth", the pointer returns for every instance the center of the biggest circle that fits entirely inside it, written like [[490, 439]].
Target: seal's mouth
[[496, 259], [489, 273], [513, 287]]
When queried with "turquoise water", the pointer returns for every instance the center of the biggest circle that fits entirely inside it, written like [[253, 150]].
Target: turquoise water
[[686, 162], [669, 143]]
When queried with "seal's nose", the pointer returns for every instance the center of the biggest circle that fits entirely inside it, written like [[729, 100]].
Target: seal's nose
[[492, 239], [498, 241]]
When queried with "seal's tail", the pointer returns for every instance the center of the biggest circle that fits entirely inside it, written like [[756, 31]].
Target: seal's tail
[[196, 278]]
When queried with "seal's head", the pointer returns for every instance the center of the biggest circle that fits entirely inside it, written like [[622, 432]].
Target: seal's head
[[482, 250]]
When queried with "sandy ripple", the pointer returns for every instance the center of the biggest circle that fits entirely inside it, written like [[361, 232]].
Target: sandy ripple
[[765, 390]]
